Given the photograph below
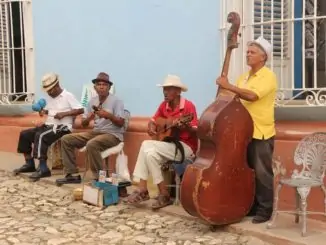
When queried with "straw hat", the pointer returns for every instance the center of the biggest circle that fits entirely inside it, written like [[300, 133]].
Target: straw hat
[[173, 81], [49, 80]]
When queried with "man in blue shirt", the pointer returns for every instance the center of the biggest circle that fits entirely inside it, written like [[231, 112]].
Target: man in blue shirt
[[107, 111]]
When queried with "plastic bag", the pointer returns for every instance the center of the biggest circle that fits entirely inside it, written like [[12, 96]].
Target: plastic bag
[[121, 166]]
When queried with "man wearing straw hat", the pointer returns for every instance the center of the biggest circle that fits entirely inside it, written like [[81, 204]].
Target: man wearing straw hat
[[61, 107], [153, 153], [257, 90]]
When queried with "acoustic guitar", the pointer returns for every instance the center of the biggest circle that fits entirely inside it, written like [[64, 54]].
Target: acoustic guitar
[[165, 126]]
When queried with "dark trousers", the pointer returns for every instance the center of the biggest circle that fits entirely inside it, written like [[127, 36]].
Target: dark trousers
[[41, 137], [260, 158]]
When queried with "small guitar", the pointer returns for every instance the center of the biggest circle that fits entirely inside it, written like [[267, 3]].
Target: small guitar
[[164, 126], [97, 108]]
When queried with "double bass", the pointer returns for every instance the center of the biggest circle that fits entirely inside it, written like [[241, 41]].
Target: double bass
[[219, 186]]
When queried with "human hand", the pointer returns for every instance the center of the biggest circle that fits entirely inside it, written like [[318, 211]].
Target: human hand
[[41, 113], [103, 114], [183, 125], [151, 129], [223, 82], [37, 123]]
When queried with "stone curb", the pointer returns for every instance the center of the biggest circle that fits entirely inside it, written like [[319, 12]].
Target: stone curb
[[263, 236], [232, 228], [236, 229]]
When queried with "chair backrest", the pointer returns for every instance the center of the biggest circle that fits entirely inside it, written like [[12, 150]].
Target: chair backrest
[[311, 154], [127, 119]]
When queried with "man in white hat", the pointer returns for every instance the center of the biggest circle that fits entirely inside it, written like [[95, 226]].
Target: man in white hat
[[61, 107], [154, 153], [257, 90]]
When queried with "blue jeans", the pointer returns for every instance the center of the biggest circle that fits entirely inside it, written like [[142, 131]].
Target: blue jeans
[[181, 167]]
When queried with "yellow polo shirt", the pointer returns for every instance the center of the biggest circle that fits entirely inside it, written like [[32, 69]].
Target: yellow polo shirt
[[264, 84]]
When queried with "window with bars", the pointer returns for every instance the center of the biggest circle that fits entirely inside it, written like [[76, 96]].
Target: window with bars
[[4, 56], [16, 51], [269, 22], [297, 31]]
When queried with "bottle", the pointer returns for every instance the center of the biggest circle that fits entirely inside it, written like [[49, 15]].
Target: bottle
[[115, 179]]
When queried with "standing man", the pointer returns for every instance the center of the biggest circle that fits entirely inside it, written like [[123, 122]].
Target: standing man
[[61, 108], [257, 90], [153, 153], [107, 111]]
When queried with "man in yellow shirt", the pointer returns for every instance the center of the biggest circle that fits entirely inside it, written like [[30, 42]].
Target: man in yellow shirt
[[257, 91]]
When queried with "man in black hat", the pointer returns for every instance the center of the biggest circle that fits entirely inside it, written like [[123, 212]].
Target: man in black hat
[[107, 111]]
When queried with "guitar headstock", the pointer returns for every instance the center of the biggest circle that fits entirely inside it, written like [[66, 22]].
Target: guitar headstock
[[232, 38]]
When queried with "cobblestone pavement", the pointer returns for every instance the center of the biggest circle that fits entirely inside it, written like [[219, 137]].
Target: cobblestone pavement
[[39, 213]]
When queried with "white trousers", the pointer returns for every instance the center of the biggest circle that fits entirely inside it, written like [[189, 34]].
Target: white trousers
[[152, 154]]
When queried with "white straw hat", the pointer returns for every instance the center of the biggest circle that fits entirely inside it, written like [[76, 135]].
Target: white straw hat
[[173, 81], [49, 80]]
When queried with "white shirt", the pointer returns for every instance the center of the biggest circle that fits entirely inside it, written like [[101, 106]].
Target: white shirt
[[64, 102]]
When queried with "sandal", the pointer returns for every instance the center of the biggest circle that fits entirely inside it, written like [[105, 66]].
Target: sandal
[[162, 201], [137, 197]]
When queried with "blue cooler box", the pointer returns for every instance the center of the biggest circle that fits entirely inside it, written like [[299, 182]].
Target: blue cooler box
[[110, 192]]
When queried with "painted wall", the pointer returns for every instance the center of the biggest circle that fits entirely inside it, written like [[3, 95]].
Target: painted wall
[[137, 42]]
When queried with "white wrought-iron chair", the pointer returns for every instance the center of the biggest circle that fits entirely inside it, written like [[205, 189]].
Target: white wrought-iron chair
[[311, 154], [113, 150]]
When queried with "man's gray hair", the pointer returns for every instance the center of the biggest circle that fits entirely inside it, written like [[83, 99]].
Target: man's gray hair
[[260, 48]]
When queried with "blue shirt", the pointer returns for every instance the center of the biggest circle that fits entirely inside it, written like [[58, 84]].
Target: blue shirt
[[113, 105]]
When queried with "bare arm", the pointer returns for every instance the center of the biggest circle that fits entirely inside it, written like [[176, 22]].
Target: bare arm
[[244, 94], [116, 117], [73, 112], [118, 121], [151, 128]]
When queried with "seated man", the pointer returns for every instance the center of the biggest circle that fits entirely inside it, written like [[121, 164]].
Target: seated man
[[60, 109], [154, 153], [107, 111]]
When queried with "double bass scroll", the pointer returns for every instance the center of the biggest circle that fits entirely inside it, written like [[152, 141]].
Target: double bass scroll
[[219, 186]]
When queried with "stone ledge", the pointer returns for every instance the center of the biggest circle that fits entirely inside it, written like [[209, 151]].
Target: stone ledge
[[286, 130], [136, 124]]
